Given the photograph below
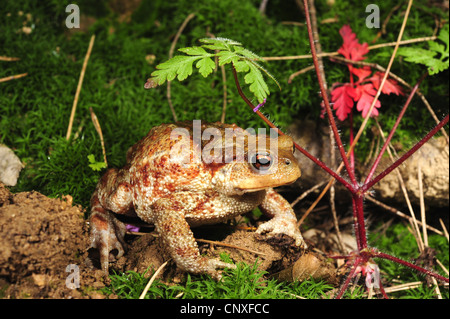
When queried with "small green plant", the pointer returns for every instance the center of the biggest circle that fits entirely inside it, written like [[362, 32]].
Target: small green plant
[[227, 51], [96, 166], [435, 59]]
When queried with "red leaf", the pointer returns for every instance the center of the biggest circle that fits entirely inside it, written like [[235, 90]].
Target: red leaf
[[366, 94], [362, 73], [342, 97], [351, 49], [390, 85]]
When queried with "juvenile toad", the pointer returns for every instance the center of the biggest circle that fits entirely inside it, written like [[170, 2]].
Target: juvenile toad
[[188, 174]]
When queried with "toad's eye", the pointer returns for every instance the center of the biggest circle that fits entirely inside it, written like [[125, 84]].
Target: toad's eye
[[261, 161]]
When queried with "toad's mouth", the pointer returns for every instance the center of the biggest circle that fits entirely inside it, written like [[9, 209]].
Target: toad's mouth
[[252, 187]]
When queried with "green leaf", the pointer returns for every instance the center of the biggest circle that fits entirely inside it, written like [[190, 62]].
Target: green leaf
[[94, 165], [179, 66], [205, 66], [436, 58], [248, 54], [227, 57], [257, 84], [228, 51], [194, 51]]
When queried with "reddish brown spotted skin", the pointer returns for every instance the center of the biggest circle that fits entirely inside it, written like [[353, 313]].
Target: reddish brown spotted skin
[[177, 189]]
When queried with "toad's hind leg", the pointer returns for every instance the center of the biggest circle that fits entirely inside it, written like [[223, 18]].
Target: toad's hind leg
[[169, 220], [113, 194]]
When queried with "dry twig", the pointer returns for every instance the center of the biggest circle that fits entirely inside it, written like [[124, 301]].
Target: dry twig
[[147, 287], [80, 83], [172, 48], [335, 53], [13, 77], [99, 131]]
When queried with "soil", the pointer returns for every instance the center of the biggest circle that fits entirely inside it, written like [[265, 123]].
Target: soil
[[45, 243]]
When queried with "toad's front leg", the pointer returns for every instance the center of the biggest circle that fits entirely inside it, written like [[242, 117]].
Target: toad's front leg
[[168, 216], [283, 222]]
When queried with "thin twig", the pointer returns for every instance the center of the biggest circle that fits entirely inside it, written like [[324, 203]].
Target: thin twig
[[99, 131], [306, 193], [442, 266], [407, 286], [295, 74], [335, 53], [13, 77], [218, 243], [147, 287], [422, 204], [444, 229], [224, 87], [9, 59], [400, 214], [80, 83], [172, 48]]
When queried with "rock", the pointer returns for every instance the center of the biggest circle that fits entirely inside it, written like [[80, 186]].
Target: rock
[[10, 166]]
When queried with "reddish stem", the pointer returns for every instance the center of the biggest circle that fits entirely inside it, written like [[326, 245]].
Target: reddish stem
[[358, 220], [394, 128], [344, 286], [405, 156], [410, 265], [352, 153], [325, 98]]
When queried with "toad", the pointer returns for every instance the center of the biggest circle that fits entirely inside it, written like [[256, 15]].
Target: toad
[[191, 173]]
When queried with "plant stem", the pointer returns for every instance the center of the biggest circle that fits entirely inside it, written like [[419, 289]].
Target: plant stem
[[344, 286], [410, 265], [358, 202], [394, 128], [325, 99], [405, 156]]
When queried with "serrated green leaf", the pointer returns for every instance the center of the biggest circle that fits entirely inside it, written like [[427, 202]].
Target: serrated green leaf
[[416, 55], [436, 66], [205, 66], [227, 57], [248, 54], [257, 84], [193, 51], [436, 58], [218, 40], [179, 66], [241, 66]]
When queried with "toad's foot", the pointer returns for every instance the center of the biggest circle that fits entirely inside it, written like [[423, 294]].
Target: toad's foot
[[277, 229], [106, 234], [211, 267]]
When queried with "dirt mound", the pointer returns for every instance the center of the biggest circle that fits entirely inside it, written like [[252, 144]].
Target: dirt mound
[[43, 246]]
